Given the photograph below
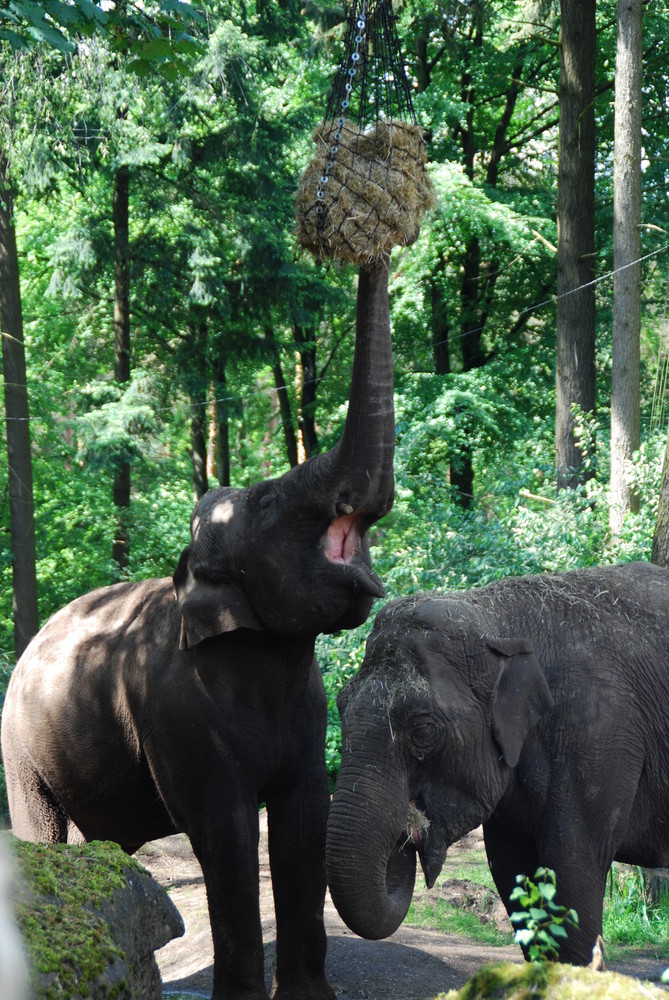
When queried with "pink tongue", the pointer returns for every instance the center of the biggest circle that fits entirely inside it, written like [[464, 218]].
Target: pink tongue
[[342, 538]]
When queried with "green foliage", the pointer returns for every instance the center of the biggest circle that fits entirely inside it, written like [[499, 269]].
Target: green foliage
[[543, 922], [340, 657], [214, 156], [117, 420], [631, 918], [160, 40], [439, 915]]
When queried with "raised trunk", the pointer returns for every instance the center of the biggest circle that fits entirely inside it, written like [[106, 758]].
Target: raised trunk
[[370, 860], [362, 460]]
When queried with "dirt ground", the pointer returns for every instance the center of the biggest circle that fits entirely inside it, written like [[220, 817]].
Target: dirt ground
[[413, 964]]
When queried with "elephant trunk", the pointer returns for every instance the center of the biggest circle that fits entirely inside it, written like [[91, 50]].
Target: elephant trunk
[[362, 460], [370, 858]]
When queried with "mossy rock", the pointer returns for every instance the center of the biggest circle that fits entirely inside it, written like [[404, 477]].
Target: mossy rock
[[550, 981], [90, 918]]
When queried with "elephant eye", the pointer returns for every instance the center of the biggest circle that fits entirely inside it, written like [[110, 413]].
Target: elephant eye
[[424, 733]]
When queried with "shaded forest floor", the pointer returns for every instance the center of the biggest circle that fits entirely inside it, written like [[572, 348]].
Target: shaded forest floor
[[413, 964]]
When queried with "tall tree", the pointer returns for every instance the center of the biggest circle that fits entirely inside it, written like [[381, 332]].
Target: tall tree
[[625, 375], [660, 550], [306, 341], [466, 52], [575, 323], [284, 400], [197, 386], [17, 424], [120, 546]]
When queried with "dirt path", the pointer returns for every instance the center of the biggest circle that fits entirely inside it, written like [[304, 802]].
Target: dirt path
[[413, 964]]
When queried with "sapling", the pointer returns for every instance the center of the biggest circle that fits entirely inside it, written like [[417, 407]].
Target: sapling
[[543, 922]]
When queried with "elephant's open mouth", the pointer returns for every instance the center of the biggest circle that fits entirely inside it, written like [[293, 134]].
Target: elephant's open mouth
[[342, 546], [343, 538]]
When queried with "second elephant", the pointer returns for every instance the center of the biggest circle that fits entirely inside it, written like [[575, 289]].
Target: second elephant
[[536, 706]]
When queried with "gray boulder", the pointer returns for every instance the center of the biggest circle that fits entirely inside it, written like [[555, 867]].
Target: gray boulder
[[91, 918]]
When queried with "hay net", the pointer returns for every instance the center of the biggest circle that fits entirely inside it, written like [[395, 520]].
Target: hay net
[[365, 188]]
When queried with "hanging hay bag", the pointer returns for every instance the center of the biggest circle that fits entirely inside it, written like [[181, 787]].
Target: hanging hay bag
[[363, 191]]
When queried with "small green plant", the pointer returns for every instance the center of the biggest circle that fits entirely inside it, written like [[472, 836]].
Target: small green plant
[[543, 922]]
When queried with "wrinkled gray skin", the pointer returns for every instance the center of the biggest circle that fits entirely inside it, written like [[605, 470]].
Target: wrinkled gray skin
[[536, 706], [149, 708]]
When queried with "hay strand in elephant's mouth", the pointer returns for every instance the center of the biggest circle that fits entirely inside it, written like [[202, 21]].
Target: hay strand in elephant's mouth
[[417, 824]]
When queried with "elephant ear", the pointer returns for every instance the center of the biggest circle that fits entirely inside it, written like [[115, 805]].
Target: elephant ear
[[521, 696], [209, 608]]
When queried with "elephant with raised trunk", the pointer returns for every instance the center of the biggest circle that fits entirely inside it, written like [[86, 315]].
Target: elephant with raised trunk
[[536, 706], [144, 709]]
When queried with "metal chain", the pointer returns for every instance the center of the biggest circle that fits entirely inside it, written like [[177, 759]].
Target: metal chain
[[356, 56]]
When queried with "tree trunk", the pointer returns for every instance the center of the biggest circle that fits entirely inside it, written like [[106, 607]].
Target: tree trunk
[[440, 328], [121, 545], [19, 459], [198, 439], [284, 401], [625, 376], [660, 551], [222, 416], [198, 382], [307, 415], [575, 322]]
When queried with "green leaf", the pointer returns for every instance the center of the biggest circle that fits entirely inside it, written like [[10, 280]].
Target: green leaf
[[547, 890], [140, 67], [558, 931], [17, 42], [523, 936], [538, 913], [159, 48]]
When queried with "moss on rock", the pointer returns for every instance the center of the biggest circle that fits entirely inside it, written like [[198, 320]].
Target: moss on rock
[[86, 917], [551, 981]]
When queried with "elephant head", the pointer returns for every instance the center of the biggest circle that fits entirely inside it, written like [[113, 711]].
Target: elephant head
[[291, 555], [432, 726]]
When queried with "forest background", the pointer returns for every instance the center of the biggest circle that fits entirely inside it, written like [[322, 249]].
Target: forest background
[[238, 346]]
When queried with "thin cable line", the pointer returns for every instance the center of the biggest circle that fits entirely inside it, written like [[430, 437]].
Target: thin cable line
[[250, 393]]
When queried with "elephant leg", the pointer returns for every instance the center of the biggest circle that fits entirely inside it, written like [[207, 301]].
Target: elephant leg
[[510, 853], [226, 845], [297, 823], [580, 868], [580, 877], [36, 814]]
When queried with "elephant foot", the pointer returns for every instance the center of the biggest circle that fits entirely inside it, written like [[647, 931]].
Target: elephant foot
[[239, 994], [316, 989]]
